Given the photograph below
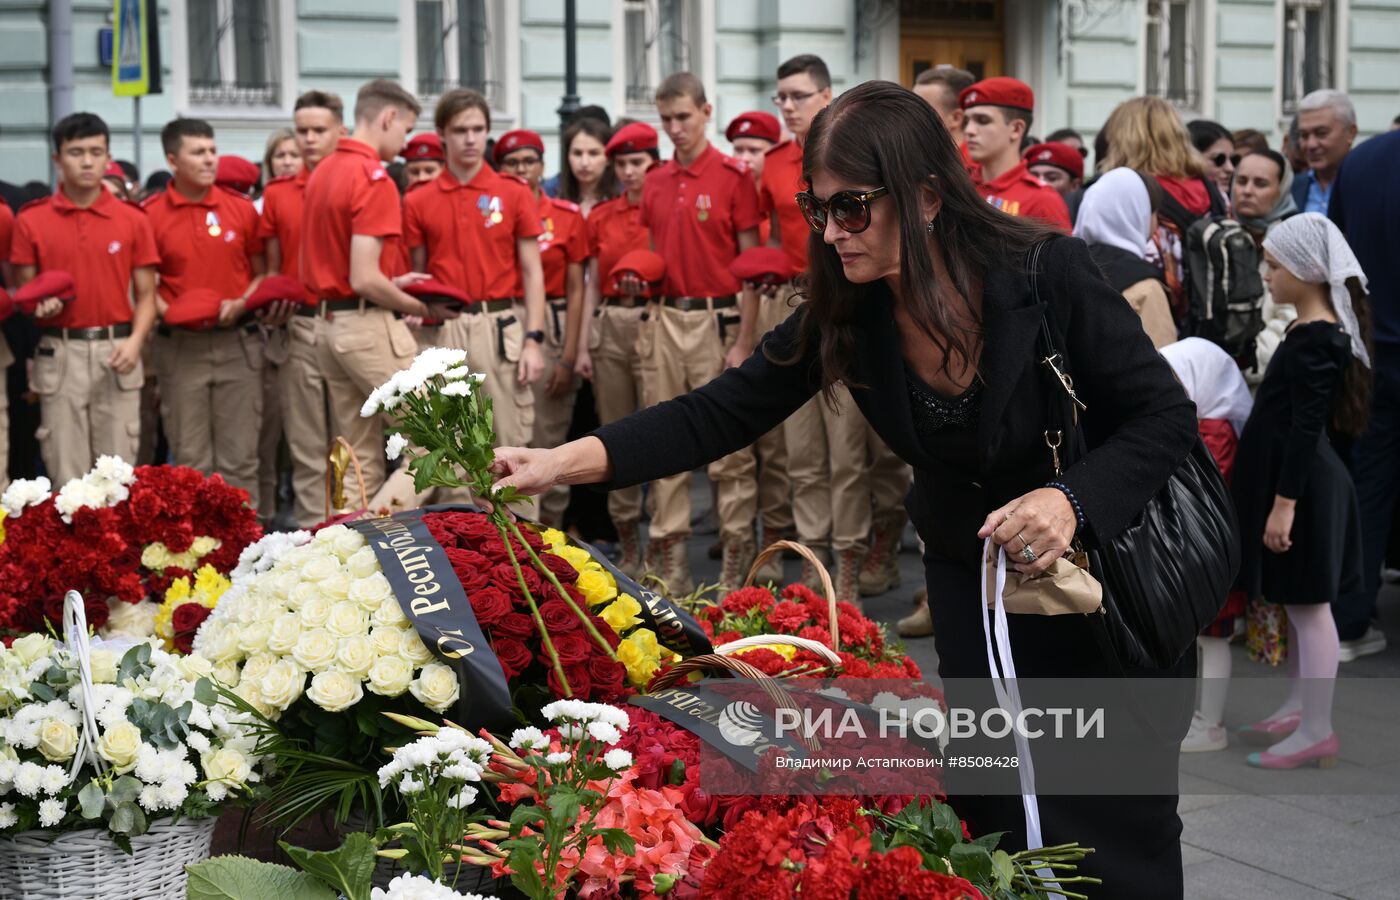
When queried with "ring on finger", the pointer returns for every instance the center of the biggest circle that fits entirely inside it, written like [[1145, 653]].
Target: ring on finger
[[1021, 536], [1027, 554]]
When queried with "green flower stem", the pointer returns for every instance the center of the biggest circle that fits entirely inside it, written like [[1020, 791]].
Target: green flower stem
[[582, 616], [535, 614]]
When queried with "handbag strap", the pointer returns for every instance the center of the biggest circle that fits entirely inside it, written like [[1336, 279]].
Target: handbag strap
[[1062, 403]]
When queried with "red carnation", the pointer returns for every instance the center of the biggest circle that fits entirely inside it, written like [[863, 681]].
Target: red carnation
[[788, 617], [491, 605], [900, 873], [513, 655], [746, 600]]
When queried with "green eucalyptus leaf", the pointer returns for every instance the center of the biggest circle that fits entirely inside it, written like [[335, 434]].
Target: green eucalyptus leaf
[[91, 800], [124, 818], [125, 789], [42, 692], [205, 692]]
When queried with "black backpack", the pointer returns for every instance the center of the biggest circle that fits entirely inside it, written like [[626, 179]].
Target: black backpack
[[1220, 296]]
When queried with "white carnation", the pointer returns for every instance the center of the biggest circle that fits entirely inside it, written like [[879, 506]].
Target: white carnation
[[24, 493], [393, 449], [131, 620]]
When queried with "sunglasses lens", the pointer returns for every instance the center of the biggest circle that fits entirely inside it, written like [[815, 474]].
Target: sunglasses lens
[[812, 212], [850, 213], [1235, 159]]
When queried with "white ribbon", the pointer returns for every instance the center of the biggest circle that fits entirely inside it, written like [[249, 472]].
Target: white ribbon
[[1008, 694], [75, 636]]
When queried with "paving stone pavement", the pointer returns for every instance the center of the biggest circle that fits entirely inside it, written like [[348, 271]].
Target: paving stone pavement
[[1249, 833]]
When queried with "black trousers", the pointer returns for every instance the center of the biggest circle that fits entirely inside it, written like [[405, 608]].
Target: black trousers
[[1137, 838]]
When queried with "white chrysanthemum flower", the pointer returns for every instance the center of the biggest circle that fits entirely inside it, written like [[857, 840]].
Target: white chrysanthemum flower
[[457, 372], [410, 785], [617, 759], [417, 887], [51, 812], [394, 448], [603, 732], [556, 759], [456, 389], [528, 738], [8, 819], [463, 798]]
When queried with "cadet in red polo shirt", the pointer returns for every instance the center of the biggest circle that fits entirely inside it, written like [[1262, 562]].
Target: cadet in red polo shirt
[[211, 389], [7, 358], [607, 345], [87, 367], [423, 158], [702, 210], [563, 242], [477, 230], [997, 115], [318, 122], [350, 256]]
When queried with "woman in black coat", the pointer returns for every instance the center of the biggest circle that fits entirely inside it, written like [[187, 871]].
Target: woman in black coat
[[919, 299]]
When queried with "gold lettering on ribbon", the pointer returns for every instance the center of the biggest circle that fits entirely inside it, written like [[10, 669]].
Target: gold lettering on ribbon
[[454, 636]]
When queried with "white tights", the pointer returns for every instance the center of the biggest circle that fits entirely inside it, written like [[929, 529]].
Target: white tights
[[1312, 664]]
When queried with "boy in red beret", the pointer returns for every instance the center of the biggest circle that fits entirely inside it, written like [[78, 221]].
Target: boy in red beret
[[1058, 165], [87, 367], [997, 113], [423, 158]]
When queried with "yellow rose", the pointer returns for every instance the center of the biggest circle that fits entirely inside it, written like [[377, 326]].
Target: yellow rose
[[57, 740], [640, 653], [119, 745], [333, 690], [577, 557], [554, 538], [597, 587], [390, 676], [621, 614], [435, 687]]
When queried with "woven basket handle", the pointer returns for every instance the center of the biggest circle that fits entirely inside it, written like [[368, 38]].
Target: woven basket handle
[[828, 588], [75, 636], [790, 640]]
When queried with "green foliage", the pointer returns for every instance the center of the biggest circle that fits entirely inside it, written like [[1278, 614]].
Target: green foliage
[[113, 800], [241, 878], [348, 869]]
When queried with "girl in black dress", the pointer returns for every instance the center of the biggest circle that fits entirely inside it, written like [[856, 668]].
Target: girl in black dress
[[1297, 506]]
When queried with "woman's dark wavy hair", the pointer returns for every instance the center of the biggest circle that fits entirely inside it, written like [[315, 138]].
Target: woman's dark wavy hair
[[881, 134], [601, 132], [1352, 408]]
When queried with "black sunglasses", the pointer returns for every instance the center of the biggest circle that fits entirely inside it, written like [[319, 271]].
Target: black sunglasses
[[850, 210], [1218, 159]]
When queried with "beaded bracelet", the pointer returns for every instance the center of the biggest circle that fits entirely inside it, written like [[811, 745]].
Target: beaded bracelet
[[1073, 501]]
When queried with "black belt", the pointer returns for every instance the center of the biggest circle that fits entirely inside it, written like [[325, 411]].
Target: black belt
[[171, 330], [490, 306], [98, 333], [310, 312], [557, 307], [691, 304]]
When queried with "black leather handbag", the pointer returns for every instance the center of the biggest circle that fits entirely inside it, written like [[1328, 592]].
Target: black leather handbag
[[1165, 576]]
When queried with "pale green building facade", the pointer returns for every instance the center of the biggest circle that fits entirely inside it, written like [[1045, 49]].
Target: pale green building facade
[[241, 63]]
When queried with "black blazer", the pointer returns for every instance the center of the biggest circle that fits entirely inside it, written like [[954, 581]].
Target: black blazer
[[1139, 423]]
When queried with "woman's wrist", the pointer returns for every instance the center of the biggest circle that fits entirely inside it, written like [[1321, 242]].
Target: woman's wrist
[[1073, 502], [1282, 502], [584, 461]]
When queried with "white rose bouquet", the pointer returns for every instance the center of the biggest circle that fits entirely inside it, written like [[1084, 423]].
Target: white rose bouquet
[[164, 745]]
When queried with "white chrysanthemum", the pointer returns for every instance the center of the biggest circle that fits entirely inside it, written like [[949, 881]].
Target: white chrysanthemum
[[603, 732], [528, 738], [8, 819], [463, 798], [51, 812], [456, 389], [393, 449], [555, 759], [417, 887], [24, 493], [617, 759]]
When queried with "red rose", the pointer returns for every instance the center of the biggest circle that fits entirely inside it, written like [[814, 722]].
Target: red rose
[[572, 648], [517, 625], [560, 568], [185, 621], [513, 655], [579, 681], [532, 537], [558, 618], [475, 528], [608, 676], [504, 576], [472, 579], [491, 605]]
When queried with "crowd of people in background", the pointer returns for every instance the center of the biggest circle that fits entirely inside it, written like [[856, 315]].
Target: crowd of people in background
[[231, 315]]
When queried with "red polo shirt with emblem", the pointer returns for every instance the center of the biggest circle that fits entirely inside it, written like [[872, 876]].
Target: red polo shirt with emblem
[[1019, 193], [283, 201], [7, 230], [349, 193], [205, 243], [614, 229], [470, 230], [694, 214], [99, 246], [782, 179], [563, 240]]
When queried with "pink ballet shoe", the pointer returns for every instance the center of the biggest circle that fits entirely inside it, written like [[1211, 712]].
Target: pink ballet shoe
[[1270, 731], [1324, 753]]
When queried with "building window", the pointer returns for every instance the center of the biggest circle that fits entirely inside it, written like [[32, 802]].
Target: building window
[[456, 43], [233, 52], [659, 35], [1173, 61], [1307, 49]]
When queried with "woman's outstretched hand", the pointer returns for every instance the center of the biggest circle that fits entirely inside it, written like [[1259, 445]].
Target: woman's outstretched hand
[[1042, 520], [528, 470]]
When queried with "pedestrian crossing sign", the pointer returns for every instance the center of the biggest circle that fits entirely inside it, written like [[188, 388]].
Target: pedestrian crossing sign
[[131, 57]]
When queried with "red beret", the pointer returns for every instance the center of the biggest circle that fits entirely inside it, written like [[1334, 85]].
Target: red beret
[[650, 267], [424, 146], [115, 171], [520, 139], [1061, 156], [754, 124], [277, 287], [430, 290], [237, 173], [999, 91], [764, 265], [197, 308], [7, 305], [635, 137], [52, 283]]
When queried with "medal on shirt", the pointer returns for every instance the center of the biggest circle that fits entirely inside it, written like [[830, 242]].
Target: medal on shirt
[[211, 219], [547, 236], [703, 206]]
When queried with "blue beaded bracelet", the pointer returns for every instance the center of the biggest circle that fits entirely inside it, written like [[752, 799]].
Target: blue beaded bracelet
[[1069, 495]]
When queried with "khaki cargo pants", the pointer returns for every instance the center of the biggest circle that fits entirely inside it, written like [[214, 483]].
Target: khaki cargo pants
[[86, 409], [553, 415], [774, 483], [617, 385], [211, 400], [302, 390], [680, 351]]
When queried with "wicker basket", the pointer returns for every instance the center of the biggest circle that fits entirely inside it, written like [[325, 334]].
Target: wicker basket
[[87, 865]]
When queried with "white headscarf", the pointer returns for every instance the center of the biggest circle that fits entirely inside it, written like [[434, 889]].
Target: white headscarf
[[1116, 211], [1212, 380], [1314, 250]]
